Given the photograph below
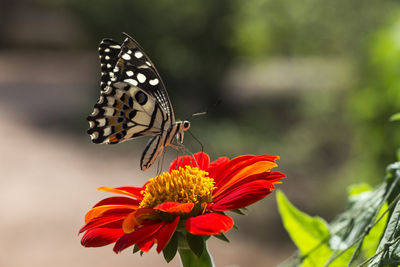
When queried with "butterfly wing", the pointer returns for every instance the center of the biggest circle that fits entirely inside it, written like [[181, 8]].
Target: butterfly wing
[[153, 150], [133, 100], [108, 54], [124, 112], [135, 67]]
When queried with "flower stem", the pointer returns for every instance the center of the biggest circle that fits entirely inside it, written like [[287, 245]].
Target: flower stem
[[189, 259]]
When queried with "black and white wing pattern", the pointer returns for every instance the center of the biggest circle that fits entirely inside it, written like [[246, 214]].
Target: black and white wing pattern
[[135, 67], [124, 112], [133, 101], [108, 54]]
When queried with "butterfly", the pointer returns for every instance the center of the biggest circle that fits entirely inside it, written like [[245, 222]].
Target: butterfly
[[133, 102]]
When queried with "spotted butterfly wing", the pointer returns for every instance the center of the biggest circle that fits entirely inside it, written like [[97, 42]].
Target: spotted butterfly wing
[[133, 101], [108, 54]]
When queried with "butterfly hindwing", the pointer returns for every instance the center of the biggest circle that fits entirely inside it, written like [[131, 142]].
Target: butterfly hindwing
[[124, 112], [152, 151]]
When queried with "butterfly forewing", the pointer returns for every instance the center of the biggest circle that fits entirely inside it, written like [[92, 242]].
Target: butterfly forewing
[[135, 67], [108, 54]]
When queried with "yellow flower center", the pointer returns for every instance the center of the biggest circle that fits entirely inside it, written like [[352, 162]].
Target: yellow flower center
[[188, 185]]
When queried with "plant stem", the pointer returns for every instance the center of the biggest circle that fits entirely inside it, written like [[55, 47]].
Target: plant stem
[[189, 259]]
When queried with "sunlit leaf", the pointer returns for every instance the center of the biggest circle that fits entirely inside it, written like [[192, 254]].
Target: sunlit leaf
[[395, 117], [312, 237], [371, 241], [388, 252], [310, 234], [356, 189], [306, 232]]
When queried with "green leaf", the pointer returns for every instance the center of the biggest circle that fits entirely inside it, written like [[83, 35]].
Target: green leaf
[[395, 117], [356, 189], [196, 244], [170, 250], [310, 234], [356, 220], [371, 241], [222, 237], [306, 232], [240, 211], [135, 249], [390, 244]]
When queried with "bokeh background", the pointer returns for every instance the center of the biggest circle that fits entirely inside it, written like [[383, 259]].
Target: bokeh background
[[312, 81]]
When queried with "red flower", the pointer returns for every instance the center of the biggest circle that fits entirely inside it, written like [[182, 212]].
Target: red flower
[[194, 192]]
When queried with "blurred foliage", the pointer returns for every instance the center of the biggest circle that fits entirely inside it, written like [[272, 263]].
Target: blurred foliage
[[311, 27], [372, 106]]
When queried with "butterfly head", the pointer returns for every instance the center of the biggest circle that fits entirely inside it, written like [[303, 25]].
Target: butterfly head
[[182, 127]]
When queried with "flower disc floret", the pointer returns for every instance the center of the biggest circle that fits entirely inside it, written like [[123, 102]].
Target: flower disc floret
[[184, 185]]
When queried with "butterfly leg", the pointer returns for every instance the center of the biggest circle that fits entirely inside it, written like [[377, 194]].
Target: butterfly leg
[[186, 152], [181, 150], [189, 153]]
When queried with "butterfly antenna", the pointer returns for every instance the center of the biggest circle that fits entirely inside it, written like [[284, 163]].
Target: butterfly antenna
[[201, 113], [196, 114]]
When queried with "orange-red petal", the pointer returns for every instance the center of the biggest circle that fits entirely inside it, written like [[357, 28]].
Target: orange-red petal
[[200, 160], [144, 233], [117, 201], [215, 166], [164, 235], [109, 222], [99, 211], [134, 219], [237, 173], [243, 195], [126, 190], [101, 237], [175, 207], [275, 176], [146, 245], [270, 177], [209, 224]]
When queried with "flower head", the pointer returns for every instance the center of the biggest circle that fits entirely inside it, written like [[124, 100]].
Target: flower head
[[192, 197]]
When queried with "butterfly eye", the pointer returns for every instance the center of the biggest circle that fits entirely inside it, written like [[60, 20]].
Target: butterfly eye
[[141, 98], [186, 125]]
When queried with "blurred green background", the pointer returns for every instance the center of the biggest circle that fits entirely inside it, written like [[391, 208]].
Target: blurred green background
[[312, 81]]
